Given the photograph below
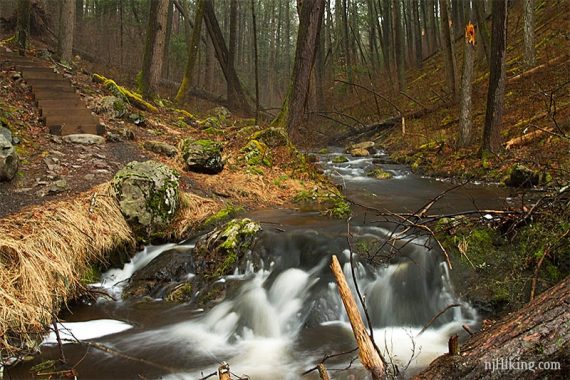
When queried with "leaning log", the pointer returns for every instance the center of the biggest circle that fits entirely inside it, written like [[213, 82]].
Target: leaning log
[[368, 355], [532, 343]]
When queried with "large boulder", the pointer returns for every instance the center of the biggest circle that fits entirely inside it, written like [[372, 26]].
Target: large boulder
[[359, 152], [148, 195], [522, 176], [169, 268], [161, 148], [368, 145], [272, 137], [221, 251], [202, 156], [9, 161]]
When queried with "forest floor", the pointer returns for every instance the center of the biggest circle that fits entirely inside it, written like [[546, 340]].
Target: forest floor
[[51, 169], [535, 127]]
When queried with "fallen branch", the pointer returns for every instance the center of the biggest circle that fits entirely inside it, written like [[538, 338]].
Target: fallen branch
[[431, 321], [369, 357], [536, 69]]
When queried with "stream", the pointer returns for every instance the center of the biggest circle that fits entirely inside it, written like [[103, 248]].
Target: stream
[[280, 320]]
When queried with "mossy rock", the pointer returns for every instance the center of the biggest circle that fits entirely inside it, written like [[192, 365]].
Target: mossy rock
[[359, 152], [522, 176], [182, 292], [248, 131], [339, 160], [324, 151], [368, 145], [201, 156], [113, 106], [221, 113], [379, 173], [211, 122], [9, 161], [148, 195], [161, 148], [220, 252], [229, 211], [256, 153], [272, 137]]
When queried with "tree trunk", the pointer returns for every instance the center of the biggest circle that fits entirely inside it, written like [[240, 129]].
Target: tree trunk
[[346, 41], [495, 95], [23, 24], [465, 118], [417, 33], [154, 48], [256, 63], [529, 49], [399, 43], [232, 46], [447, 43], [484, 37], [368, 355], [193, 44], [310, 20], [66, 26], [237, 99], [518, 346]]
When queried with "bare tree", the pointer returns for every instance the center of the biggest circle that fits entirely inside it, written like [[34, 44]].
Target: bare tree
[[310, 20], [66, 26], [23, 24], [399, 43], [495, 95], [529, 48], [465, 119], [447, 42], [154, 47]]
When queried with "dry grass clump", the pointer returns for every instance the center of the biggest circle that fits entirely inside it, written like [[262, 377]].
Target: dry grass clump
[[192, 212], [43, 254]]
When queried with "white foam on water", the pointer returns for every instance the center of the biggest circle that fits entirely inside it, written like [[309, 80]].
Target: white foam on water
[[70, 332]]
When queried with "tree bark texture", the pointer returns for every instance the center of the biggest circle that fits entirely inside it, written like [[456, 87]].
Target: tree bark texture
[[66, 30], [465, 118], [154, 48], [192, 53], [529, 48], [399, 43], [417, 32], [448, 48], [496, 92], [310, 19], [539, 332], [237, 99], [23, 24], [368, 355], [484, 37]]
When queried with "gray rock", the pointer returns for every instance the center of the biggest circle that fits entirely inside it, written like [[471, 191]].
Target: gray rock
[[84, 139], [9, 161], [57, 187], [359, 152], [161, 148], [148, 195], [222, 113], [202, 156], [112, 106], [522, 176], [6, 133], [272, 137]]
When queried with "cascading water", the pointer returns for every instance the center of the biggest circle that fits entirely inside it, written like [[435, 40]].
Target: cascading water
[[282, 318]]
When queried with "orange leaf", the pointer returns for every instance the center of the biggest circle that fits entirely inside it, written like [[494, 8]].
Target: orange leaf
[[470, 33]]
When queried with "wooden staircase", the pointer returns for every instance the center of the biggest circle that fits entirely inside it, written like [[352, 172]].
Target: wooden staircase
[[60, 106]]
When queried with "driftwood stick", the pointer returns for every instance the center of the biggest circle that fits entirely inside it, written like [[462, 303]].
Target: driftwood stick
[[224, 371], [368, 356], [324, 375]]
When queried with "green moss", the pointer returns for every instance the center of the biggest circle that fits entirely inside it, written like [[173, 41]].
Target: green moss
[[324, 151], [256, 153], [226, 213], [237, 237], [125, 94], [181, 293], [91, 275], [330, 204], [210, 122], [379, 173], [339, 159]]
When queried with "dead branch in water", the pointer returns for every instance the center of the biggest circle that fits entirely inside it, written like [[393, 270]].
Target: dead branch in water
[[436, 317]]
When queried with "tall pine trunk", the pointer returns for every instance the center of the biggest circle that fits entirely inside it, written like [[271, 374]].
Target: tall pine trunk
[[310, 20], [465, 117], [529, 49], [495, 95], [23, 24], [66, 29], [399, 43], [192, 49], [447, 42], [154, 48]]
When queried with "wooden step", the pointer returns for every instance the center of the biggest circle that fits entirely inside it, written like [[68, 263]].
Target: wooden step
[[61, 103], [70, 109], [33, 68], [41, 75], [47, 82], [61, 88], [52, 85], [48, 94], [77, 128], [78, 118]]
